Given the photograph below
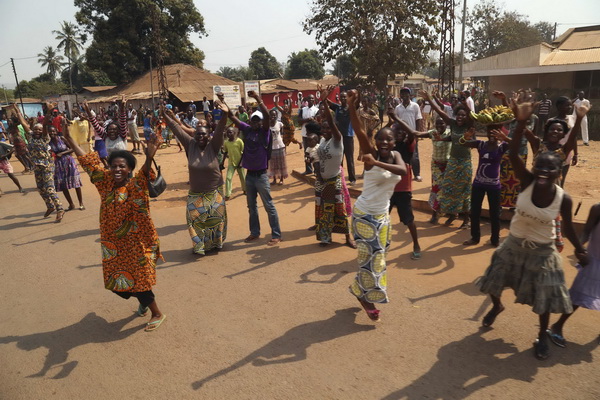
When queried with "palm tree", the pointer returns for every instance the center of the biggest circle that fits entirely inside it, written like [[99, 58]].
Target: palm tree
[[51, 60], [70, 42]]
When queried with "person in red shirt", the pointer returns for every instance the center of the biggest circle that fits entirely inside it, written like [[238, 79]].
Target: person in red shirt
[[402, 197], [57, 121]]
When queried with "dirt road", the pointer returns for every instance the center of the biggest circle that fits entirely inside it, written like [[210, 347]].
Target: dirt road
[[260, 322]]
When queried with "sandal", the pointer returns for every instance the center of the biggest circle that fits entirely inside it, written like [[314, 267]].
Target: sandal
[[152, 326], [372, 313], [274, 241], [81, 208], [490, 317], [250, 238], [557, 339], [416, 255], [59, 215], [541, 350], [351, 244], [141, 311], [470, 242]]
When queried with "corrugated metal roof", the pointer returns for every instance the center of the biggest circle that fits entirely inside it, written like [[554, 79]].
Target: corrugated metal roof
[[562, 57], [584, 37], [186, 82]]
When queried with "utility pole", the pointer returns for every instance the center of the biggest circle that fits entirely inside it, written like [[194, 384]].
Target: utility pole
[[12, 60], [462, 46], [151, 84], [554, 34], [447, 74]]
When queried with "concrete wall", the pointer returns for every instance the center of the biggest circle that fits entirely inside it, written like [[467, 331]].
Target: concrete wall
[[508, 83]]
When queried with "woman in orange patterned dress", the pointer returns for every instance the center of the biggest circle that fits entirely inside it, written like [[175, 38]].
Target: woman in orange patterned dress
[[129, 242]]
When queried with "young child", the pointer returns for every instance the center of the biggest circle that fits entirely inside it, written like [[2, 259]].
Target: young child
[[310, 153], [585, 291], [233, 148], [487, 180], [6, 150]]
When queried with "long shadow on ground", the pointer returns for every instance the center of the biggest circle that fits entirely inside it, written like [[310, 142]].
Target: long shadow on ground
[[293, 345]]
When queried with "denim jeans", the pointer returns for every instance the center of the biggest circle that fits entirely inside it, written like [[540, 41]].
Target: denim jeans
[[259, 185]]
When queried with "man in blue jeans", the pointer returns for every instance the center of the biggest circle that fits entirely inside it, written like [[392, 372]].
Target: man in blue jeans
[[257, 150]]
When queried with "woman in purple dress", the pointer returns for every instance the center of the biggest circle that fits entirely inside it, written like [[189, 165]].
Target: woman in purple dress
[[66, 175], [585, 291]]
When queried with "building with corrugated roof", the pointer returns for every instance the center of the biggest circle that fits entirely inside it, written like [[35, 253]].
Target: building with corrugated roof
[[569, 64]]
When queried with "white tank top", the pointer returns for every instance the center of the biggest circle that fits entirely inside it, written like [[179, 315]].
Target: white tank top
[[533, 223], [378, 188]]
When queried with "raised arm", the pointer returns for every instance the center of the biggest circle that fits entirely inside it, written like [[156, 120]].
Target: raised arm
[[571, 143], [522, 113], [276, 102], [263, 109], [151, 149], [501, 96], [123, 117], [219, 136], [435, 107], [22, 119], [175, 127], [365, 144], [72, 144], [93, 121], [336, 134]]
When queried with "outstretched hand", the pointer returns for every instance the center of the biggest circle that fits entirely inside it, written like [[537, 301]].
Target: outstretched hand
[[352, 96], [425, 95], [499, 135], [254, 95], [369, 160], [522, 110], [221, 105], [469, 134], [152, 145], [581, 110], [499, 94]]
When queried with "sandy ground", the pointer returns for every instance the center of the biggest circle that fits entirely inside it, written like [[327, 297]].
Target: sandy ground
[[276, 323]]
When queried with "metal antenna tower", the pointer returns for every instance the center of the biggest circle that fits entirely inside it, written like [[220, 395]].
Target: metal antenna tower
[[446, 78], [163, 87]]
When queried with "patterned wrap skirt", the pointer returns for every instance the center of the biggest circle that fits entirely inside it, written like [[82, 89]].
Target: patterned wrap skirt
[[277, 164], [533, 271], [372, 235], [66, 174], [510, 186], [455, 193], [207, 220], [330, 209], [437, 175]]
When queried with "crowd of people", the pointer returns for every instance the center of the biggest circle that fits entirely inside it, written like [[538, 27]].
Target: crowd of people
[[254, 143]]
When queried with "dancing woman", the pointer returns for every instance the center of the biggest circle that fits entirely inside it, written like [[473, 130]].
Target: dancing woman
[[528, 261], [370, 217]]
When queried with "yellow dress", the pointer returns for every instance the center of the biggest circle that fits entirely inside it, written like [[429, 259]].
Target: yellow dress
[[129, 241]]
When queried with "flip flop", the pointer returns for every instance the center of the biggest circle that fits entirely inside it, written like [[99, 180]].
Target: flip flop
[[141, 311], [541, 350], [490, 317], [557, 339], [152, 326], [416, 255]]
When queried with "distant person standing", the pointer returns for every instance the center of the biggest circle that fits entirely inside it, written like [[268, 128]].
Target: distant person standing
[[410, 112], [132, 128], [543, 113], [205, 107], [580, 100], [469, 100], [306, 115]]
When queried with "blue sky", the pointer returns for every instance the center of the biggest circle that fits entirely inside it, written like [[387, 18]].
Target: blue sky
[[275, 24]]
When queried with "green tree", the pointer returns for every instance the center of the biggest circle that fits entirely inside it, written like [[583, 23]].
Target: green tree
[[305, 64], [385, 36], [51, 60], [344, 67], [493, 31], [264, 65], [78, 75], [41, 86], [237, 74], [70, 42], [122, 34]]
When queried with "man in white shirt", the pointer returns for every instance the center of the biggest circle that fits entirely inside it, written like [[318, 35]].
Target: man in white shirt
[[410, 112], [469, 100], [306, 115], [132, 127], [205, 107], [580, 100]]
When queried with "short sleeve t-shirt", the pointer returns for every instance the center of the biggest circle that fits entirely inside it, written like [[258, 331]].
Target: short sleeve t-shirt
[[488, 171], [234, 151], [277, 139], [330, 153], [342, 119], [256, 143]]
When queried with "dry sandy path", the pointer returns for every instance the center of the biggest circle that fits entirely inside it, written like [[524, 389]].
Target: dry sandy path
[[260, 322]]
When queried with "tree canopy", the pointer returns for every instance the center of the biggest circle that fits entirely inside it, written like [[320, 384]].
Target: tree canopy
[[384, 36], [493, 31], [122, 38], [237, 74], [305, 64], [264, 65], [50, 59]]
